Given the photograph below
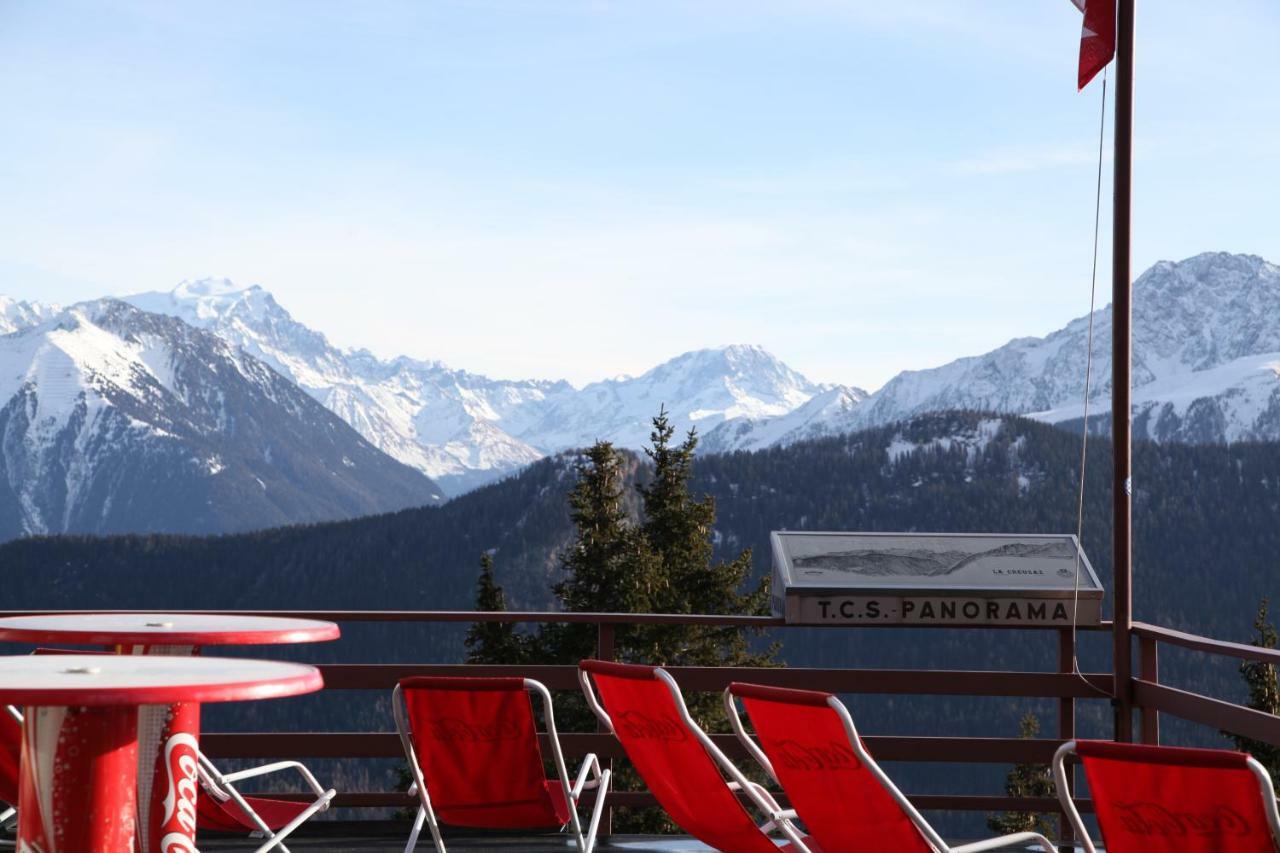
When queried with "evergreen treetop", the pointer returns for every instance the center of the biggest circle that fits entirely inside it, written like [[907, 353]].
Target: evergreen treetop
[[1264, 689]]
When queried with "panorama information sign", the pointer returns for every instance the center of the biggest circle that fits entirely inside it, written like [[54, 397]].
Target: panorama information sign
[[933, 579]]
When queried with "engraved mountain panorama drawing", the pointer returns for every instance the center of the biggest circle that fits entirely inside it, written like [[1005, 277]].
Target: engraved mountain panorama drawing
[[927, 562]]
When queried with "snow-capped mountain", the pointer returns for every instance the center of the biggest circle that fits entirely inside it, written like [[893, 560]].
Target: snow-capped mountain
[[828, 412], [16, 314], [1207, 358], [1206, 335], [704, 389], [115, 420], [446, 423], [463, 429]]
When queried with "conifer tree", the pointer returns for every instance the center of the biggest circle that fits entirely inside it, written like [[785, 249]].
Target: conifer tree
[[663, 565], [1264, 690], [1026, 780], [608, 568], [492, 642], [678, 529]]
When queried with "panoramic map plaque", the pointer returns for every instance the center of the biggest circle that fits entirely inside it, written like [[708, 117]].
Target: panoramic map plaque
[[933, 579]]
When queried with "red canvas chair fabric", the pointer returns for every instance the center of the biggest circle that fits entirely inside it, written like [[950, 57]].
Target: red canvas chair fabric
[[1161, 799], [679, 763], [228, 816], [10, 759], [472, 744], [807, 742]]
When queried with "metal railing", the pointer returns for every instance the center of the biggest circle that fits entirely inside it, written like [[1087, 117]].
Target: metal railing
[[1148, 696]]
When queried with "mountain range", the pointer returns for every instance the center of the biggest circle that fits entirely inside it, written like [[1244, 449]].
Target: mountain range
[[1207, 370], [117, 420]]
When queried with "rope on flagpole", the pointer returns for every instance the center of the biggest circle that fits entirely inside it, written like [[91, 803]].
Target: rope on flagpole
[[1088, 375]]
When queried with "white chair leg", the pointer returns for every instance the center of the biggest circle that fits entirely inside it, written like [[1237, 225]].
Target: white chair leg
[[602, 793], [418, 821]]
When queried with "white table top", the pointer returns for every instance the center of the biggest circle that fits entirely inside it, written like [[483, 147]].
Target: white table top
[[73, 680], [168, 629]]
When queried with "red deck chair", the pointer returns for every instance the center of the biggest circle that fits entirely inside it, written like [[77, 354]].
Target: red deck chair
[[808, 743], [472, 746], [222, 808], [682, 766], [1160, 799]]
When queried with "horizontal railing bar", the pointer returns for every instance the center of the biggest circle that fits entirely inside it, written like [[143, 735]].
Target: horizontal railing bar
[[946, 682], [936, 802], [1195, 642], [387, 745], [517, 616], [1207, 711]]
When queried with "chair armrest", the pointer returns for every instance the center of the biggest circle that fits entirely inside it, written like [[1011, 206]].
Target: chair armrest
[[315, 786], [1022, 838]]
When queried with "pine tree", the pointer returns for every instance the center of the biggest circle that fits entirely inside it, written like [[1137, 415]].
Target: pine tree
[[607, 568], [492, 642], [663, 565], [1026, 780], [679, 532], [1264, 690]]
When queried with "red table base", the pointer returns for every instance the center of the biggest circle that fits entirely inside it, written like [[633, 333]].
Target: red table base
[[168, 777], [168, 767], [77, 788]]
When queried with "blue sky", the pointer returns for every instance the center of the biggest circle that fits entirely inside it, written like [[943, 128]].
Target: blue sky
[[582, 188]]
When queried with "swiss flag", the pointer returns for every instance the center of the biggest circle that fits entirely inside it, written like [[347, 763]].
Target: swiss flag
[[1097, 38]]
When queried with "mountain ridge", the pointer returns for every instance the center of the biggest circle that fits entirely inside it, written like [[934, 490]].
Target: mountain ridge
[[118, 420], [1206, 370]]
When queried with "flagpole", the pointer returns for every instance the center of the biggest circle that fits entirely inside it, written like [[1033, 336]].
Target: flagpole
[[1121, 361]]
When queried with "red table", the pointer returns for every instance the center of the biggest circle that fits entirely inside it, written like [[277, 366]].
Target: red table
[[78, 788], [161, 725]]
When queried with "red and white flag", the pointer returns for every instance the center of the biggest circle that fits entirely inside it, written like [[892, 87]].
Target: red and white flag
[[1097, 38]]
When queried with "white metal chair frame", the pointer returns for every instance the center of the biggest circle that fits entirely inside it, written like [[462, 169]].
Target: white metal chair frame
[[930, 834], [779, 819], [592, 776], [1266, 789], [221, 786]]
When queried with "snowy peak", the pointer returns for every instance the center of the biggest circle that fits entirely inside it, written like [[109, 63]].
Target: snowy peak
[[113, 419], [16, 314], [701, 389], [826, 413], [1205, 331], [443, 422], [463, 429], [754, 380]]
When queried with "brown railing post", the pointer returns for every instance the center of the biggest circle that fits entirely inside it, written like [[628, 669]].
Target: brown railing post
[[1067, 731], [1149, 670], [604, 651]]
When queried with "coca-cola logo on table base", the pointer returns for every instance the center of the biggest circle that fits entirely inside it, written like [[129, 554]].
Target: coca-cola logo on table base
[[182, 771], [811, 757], [638, 724], [458, 730], [1142, 817]]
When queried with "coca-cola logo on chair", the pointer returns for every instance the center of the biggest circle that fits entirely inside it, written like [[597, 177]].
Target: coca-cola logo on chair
[[638, 724], [824, 756], [1142, 817], [458, 730]]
